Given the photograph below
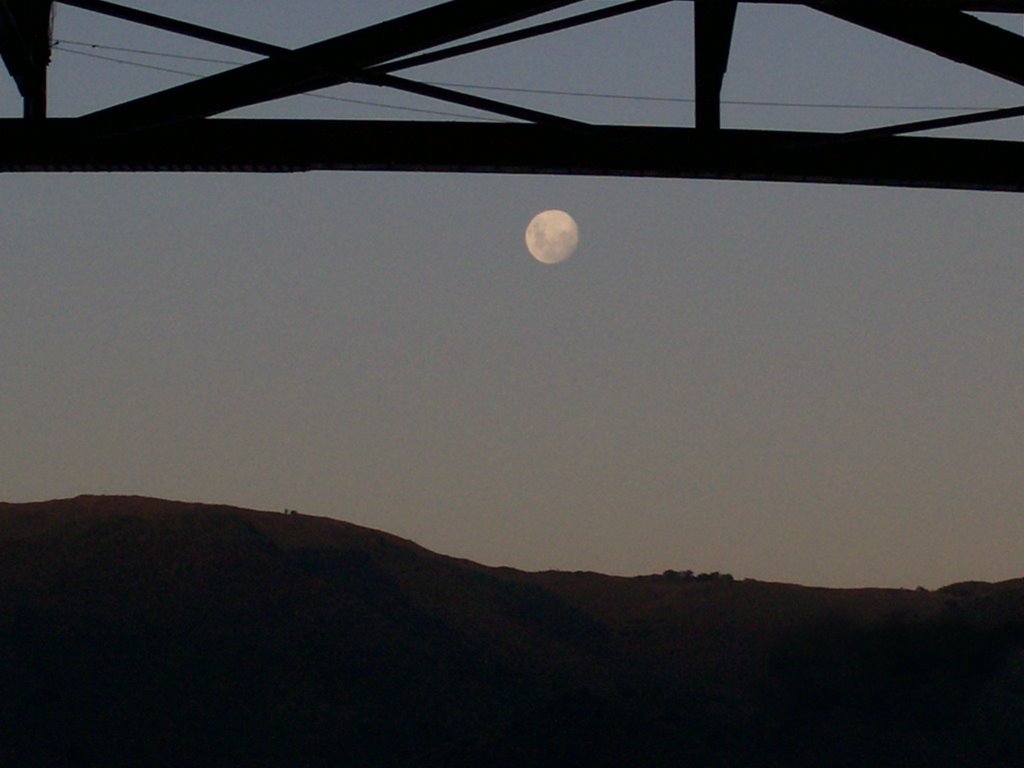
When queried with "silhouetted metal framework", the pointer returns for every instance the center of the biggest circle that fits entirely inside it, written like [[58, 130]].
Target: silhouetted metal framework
[[178, 129]]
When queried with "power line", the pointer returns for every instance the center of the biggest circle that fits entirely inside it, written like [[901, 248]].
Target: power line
[[509, 89], [690, 100], [143, 52], [322, 96]]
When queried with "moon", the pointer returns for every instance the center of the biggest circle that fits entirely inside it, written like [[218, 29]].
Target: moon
[[552, 236]]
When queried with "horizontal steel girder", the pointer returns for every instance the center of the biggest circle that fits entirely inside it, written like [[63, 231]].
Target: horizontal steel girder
[[270, 146]]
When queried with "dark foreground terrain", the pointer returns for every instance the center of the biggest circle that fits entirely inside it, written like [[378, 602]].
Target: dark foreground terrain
[[139, 632]]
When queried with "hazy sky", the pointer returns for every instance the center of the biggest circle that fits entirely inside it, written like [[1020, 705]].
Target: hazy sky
[[818, 384]]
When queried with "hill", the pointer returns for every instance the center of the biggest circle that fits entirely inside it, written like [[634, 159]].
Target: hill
[[138, 631]]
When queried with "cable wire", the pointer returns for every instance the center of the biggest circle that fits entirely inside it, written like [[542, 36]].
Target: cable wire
[[323, 96], [509, 89]]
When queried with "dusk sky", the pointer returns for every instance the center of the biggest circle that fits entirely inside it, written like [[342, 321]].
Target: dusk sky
[[805, 383]]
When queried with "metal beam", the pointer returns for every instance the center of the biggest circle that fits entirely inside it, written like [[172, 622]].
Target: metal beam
[[954, 35], [974, 6], [25, 48], [265, 49], [289, 145], [168, 24], [378, 75], [319, 65], [947, 32], [467, 100], [601, 14], [713, 22], [918, 126]]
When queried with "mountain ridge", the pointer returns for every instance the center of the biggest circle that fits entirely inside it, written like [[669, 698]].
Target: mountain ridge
[[311, 636]]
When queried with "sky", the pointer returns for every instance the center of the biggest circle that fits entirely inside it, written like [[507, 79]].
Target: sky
[[818, 384]]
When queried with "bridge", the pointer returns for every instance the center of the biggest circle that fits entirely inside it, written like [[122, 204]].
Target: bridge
[[181, 128]]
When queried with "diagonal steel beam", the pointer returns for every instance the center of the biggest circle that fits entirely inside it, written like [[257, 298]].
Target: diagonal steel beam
[[468, 100], [378, 75], [238, 42], [319, 65], [519, 35], [901, 129], [920, 6], [917, 126], [168, 24], [945, 31]]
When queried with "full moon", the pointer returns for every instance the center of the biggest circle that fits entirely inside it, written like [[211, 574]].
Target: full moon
[[552, 236]]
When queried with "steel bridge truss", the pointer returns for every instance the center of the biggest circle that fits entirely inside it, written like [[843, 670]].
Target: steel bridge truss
[[178, 129]]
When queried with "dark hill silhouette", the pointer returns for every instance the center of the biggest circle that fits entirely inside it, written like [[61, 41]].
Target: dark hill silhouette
[[145, 632]]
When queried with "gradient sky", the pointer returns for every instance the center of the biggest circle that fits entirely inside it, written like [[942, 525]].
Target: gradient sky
[[815, 384]]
